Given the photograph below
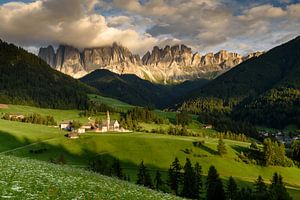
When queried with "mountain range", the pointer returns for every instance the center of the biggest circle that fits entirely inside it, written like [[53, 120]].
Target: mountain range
[[262, 90], [161, 65]]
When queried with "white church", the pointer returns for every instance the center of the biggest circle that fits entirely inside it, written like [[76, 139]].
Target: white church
[[109, 125]]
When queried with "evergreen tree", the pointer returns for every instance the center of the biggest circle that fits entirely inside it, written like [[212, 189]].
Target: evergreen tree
[[144, 177], [188, 180], [274, 154], [198, 180], [175, 176], [261, 192], [221, 147], [158, 182], [277, 189], [116, 169], [214, 185], [296, 150], [232, 189], [183, 118], [245, 194]]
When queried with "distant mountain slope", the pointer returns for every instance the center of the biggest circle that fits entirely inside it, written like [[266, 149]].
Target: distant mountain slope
[[268, 83], [134, 90], [26, 79]]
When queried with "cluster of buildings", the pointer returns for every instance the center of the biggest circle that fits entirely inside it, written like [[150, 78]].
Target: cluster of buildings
[[107, 125], [16, 116], [286, 139]]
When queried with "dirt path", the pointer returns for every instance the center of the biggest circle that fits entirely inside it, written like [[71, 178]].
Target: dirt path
[[23, 147], [3, 106]]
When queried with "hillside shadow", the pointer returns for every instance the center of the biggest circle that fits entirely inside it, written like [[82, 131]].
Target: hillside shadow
[[9, 141], [50, 153], [249, 154], [239, 149], [207, 149]]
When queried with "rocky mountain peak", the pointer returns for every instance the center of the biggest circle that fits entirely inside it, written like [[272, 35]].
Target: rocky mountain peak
[[175, 63], [48, 55]]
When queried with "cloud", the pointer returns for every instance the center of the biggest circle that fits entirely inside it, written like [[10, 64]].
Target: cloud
[[115, 21], [210, 25], [72, 22], [205, 25]]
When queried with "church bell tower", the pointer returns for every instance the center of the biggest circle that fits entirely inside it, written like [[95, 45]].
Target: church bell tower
[[108, 120]]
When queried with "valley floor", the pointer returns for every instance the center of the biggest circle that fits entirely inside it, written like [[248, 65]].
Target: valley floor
[[157, 151]]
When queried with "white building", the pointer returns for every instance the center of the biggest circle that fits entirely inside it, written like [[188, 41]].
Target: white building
[[109, 125]]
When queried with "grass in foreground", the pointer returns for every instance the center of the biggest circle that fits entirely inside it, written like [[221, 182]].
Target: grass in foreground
[[157, 151], [27, 179]]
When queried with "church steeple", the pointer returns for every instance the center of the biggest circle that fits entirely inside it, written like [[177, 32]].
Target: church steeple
[[108, 120]]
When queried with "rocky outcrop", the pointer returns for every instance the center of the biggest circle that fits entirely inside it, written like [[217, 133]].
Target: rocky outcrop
[[68, 61], [115, 58], [48, 55], [164, 65], [178, 63]]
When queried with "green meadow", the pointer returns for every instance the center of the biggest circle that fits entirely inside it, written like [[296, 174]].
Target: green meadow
[[157, 151], [30, 179]]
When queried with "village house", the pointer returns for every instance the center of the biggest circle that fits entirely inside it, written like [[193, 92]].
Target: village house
[[81, 130], [65, 125], [16, 116], [86, 126], [208, 126], [73, 135]]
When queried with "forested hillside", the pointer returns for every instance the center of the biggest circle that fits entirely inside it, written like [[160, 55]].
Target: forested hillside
[[134, 90], [263, 90], [26, 79]]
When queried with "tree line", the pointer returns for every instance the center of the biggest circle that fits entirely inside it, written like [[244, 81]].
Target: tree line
[[188, 181], [131, 118], [34, 118], [95, 108]]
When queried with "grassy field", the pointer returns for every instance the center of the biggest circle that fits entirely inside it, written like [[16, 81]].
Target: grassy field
[[111, 102], [27, 179], [157, 151]]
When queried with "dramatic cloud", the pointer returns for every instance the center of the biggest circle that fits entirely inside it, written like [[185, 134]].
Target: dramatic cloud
[[72, 22], [211, 25], [205, 25]]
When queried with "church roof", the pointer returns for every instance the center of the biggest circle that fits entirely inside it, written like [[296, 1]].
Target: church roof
[[112, 122]]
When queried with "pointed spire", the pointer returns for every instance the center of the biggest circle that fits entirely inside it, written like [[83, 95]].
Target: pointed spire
[[108, 120]]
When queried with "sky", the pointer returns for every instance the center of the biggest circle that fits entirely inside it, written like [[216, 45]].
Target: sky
[[240, 26]]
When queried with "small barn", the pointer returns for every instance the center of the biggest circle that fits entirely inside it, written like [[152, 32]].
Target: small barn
[[65, 125], [81, 130], [73, 135]]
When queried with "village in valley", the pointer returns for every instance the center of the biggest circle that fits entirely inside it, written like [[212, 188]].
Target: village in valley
[[74, 128]]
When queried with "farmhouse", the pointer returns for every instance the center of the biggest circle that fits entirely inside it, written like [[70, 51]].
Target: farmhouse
[[65, 125], [208, 126], [81, 130], [16, 116], [86, 126], [73, 135]]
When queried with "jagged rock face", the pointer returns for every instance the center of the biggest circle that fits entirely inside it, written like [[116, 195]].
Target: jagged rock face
[[254, 54], [114, 58], [164, 65], [176, 64], [48, 55], [68, 61]]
